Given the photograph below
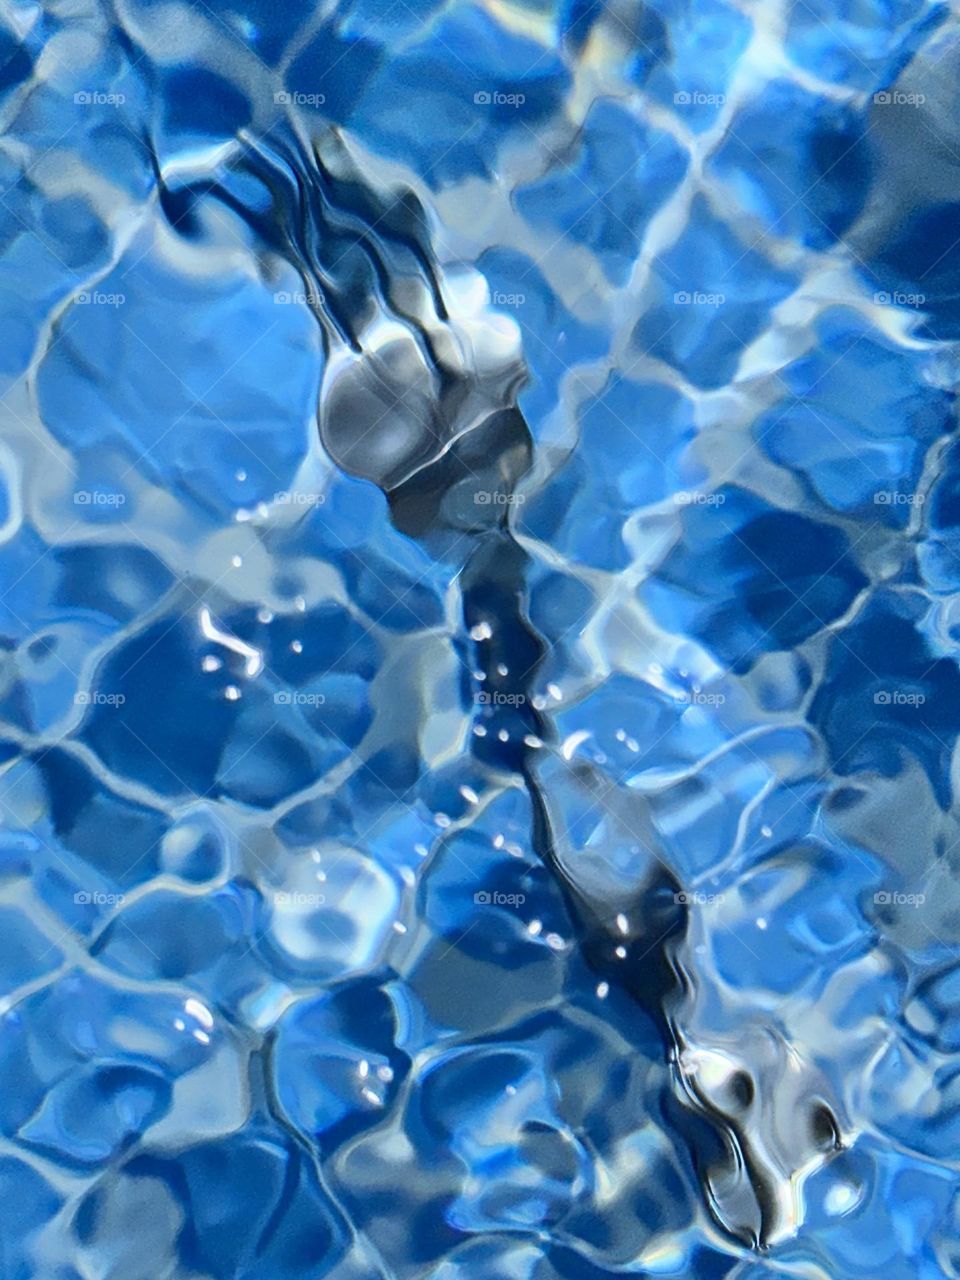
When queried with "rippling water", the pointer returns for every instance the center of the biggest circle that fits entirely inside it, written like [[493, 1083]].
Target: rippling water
[[478, 594]]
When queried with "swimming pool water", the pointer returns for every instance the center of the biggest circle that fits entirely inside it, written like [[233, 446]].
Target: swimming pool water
[[480, 694]]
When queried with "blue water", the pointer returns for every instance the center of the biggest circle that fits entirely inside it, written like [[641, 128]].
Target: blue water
[[480, 683]]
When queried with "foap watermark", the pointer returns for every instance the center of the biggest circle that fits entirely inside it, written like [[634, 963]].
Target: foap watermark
[[899, 299], [496, 699], [897, 98], [694, 898], [97, 298], [498, 498], [98, 498], [697, 298], [297, 99], [94, 898], [298, 901], [96, 699], [508, 299], [893, 898], [696, 98], [690, 498], [98, 98], [698, 698], [494, 98], [494, 898], [297, 698], [296, 298], [891, 498], [291, 498], [899, 698]]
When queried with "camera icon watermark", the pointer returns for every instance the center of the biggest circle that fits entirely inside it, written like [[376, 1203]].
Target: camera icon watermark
[[892, 498], [493, 98], [284, 99], [898, 698], [494, 898], [694, 98], [498, 498], [98, 98], [297, 698], [296, 298], [496, 699], [98, 498], [298, 901], [896, 98], [97, 298], [292, 498], [899, 299], [97, 699], [690, 498], [697, 298]]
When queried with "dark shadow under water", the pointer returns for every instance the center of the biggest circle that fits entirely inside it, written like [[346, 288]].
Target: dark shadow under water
[[408, 404]]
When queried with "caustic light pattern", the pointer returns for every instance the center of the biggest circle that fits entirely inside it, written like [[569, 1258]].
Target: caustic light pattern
[[480, 669]]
